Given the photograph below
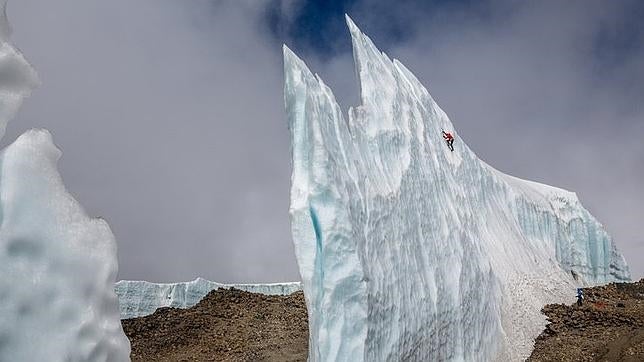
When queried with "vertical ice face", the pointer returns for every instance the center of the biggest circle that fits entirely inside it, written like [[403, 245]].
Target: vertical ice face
[[408, 251], [322, 207], [57, 266]]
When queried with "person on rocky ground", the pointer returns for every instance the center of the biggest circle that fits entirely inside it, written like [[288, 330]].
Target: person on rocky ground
[[580, 297]]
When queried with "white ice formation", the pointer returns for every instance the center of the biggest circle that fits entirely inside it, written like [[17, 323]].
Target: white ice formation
[[57, 265], [408, 251], [141, 298]]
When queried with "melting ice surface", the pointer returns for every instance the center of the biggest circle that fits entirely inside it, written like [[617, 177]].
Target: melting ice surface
[[408, 251], [141, 298], [57, 265]]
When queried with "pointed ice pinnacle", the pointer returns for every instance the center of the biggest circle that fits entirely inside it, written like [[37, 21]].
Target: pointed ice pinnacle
[[408, 251]]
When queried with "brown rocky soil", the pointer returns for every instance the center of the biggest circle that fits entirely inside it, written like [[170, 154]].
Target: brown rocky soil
[[608, 327], [227, 325], [232, 325]]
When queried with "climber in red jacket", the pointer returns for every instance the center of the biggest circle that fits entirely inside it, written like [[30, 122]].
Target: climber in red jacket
[[449, 139]]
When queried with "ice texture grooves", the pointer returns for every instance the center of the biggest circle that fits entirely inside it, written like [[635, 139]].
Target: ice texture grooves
[[57, 265], [141, 298], [408, 251]]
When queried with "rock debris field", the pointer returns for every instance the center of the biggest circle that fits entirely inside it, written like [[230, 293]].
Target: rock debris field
[[226, 325], [232, 325], [609, 326]]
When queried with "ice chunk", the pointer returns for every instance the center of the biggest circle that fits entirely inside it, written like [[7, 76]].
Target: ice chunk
[[57, 266], [408, 251], [141, 298]]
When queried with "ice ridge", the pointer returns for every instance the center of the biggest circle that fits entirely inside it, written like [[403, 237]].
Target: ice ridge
[[408, 251], [141, 298]]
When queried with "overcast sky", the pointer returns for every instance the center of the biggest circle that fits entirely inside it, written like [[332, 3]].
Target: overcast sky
[[170, 113]]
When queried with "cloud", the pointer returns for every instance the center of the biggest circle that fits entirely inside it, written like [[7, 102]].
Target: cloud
[[170, 114], [171, 123], [546, 91]]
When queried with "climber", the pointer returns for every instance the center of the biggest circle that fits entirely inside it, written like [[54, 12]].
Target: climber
[[449, 139], [580, 296]]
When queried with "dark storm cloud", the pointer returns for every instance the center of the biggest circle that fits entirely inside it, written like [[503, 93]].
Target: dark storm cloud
[[170, 113]]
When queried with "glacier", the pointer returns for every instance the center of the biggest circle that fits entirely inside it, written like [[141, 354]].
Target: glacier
[[408, 251], [57, 265], [141, 298]]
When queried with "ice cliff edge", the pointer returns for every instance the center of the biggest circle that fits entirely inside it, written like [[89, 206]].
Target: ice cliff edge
[[408, 251], [57, 265], [140, 298]]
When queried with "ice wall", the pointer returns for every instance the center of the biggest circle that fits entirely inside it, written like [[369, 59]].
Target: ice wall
[[57, 266], [141, 298], [408, 251]]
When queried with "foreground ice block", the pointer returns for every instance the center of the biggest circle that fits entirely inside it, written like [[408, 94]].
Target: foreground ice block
[[57, 266], [141, 298], [408, 251]]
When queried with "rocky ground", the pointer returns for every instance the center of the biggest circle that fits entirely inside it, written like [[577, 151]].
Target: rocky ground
[[232, 325], [227, 325], [608, 327]]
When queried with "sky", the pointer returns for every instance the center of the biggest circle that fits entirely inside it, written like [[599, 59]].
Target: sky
[[171, 119]]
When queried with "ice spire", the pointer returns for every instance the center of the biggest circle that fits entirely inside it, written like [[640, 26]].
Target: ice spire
[[329, 264], [409, 251]]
